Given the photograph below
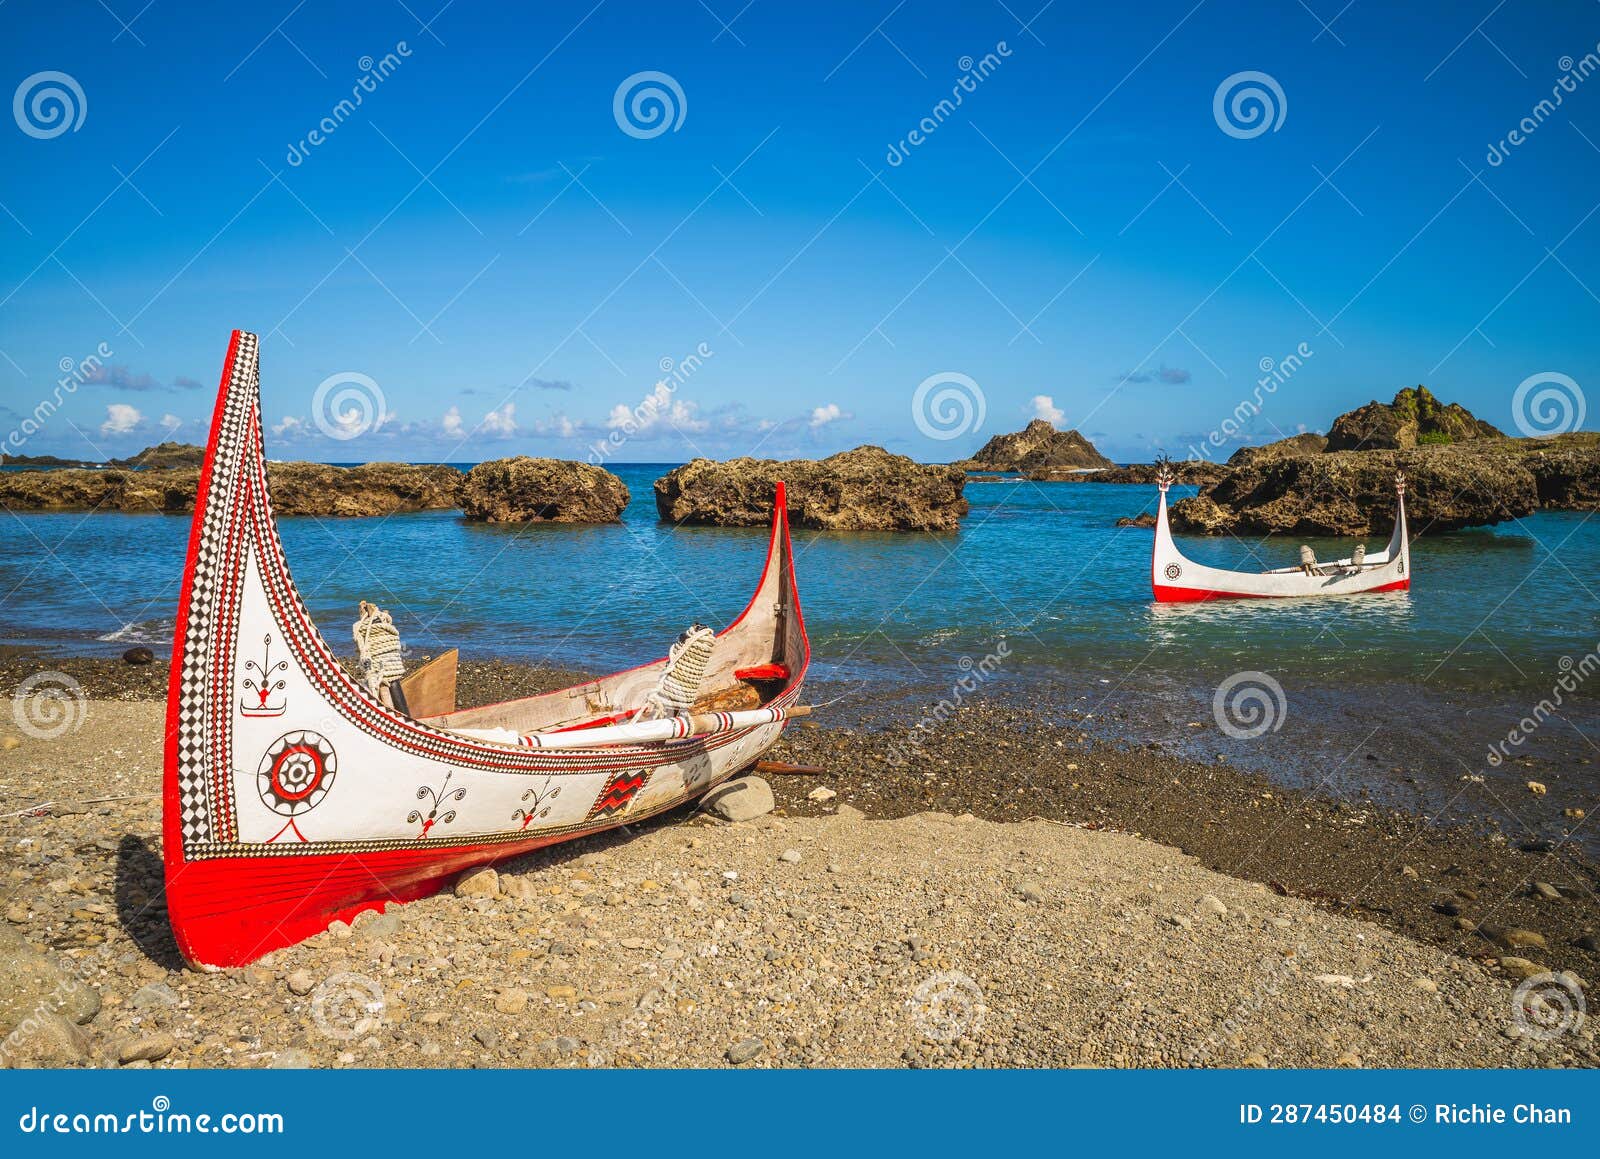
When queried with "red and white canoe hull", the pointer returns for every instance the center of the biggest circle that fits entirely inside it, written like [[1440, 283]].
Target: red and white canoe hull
[[285, 815], [1174, 578]]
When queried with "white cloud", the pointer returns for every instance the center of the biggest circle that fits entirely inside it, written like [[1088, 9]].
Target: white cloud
[[290, 427], [452, 422], [121, 419], [1044, 407], [823, 415], [170, 423], [658, 407], [560, 425], [501, 423]]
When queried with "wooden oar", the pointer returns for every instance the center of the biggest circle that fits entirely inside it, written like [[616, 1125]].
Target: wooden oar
[[668, 728], [785, 769]]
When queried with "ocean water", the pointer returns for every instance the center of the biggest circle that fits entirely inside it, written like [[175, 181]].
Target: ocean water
[[1038, 572], [1042, 566]]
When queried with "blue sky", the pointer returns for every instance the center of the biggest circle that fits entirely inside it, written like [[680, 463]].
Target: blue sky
[[507, 268]]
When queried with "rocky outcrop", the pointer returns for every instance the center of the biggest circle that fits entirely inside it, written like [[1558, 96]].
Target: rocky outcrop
[[1037, 447], [524, 490], [1352, 492], [164, 455], [1191, 471], [1309, 443], [297, 489], [1414, 418], [1460, 470], [369, 489], [867, 489]]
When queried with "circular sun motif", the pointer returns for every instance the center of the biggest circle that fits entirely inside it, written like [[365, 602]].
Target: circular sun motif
[[1173, 571], [296, 772]]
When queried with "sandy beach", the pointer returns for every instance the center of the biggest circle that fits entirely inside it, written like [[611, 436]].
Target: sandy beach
[[816, 935]]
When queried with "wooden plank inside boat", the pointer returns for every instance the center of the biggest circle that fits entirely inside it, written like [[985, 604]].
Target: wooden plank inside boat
[[431, 689]]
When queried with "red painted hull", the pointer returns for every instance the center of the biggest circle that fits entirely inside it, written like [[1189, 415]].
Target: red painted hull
[[228, 913], [1166, 594]]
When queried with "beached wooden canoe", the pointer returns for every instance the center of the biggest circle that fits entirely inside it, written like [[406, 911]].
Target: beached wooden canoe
[[295, 797], [1177, 579]]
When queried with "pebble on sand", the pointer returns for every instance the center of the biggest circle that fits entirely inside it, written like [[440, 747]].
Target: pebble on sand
[[741, 799], [149, 1048], [300, 982], [821, 794], [511, 1001], [481, 882], [1520, 967], [743, 1051]]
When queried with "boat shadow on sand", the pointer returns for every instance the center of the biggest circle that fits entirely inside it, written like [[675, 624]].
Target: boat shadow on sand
[[141, 901], [141, 890]]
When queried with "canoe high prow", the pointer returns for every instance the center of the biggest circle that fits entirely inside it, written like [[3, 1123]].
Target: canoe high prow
[[293, 796]]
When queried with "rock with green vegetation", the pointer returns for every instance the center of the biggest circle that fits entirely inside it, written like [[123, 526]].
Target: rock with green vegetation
[[1038, 447], [1414, 418]]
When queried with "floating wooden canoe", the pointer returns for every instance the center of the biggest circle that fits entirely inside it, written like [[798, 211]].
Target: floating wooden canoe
[[294, 798], [1177, 579]]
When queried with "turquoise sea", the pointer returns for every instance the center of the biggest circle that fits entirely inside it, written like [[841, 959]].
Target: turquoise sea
[[1494, 619]]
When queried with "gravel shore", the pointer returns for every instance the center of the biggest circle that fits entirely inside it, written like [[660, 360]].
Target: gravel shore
[[834, 939]]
